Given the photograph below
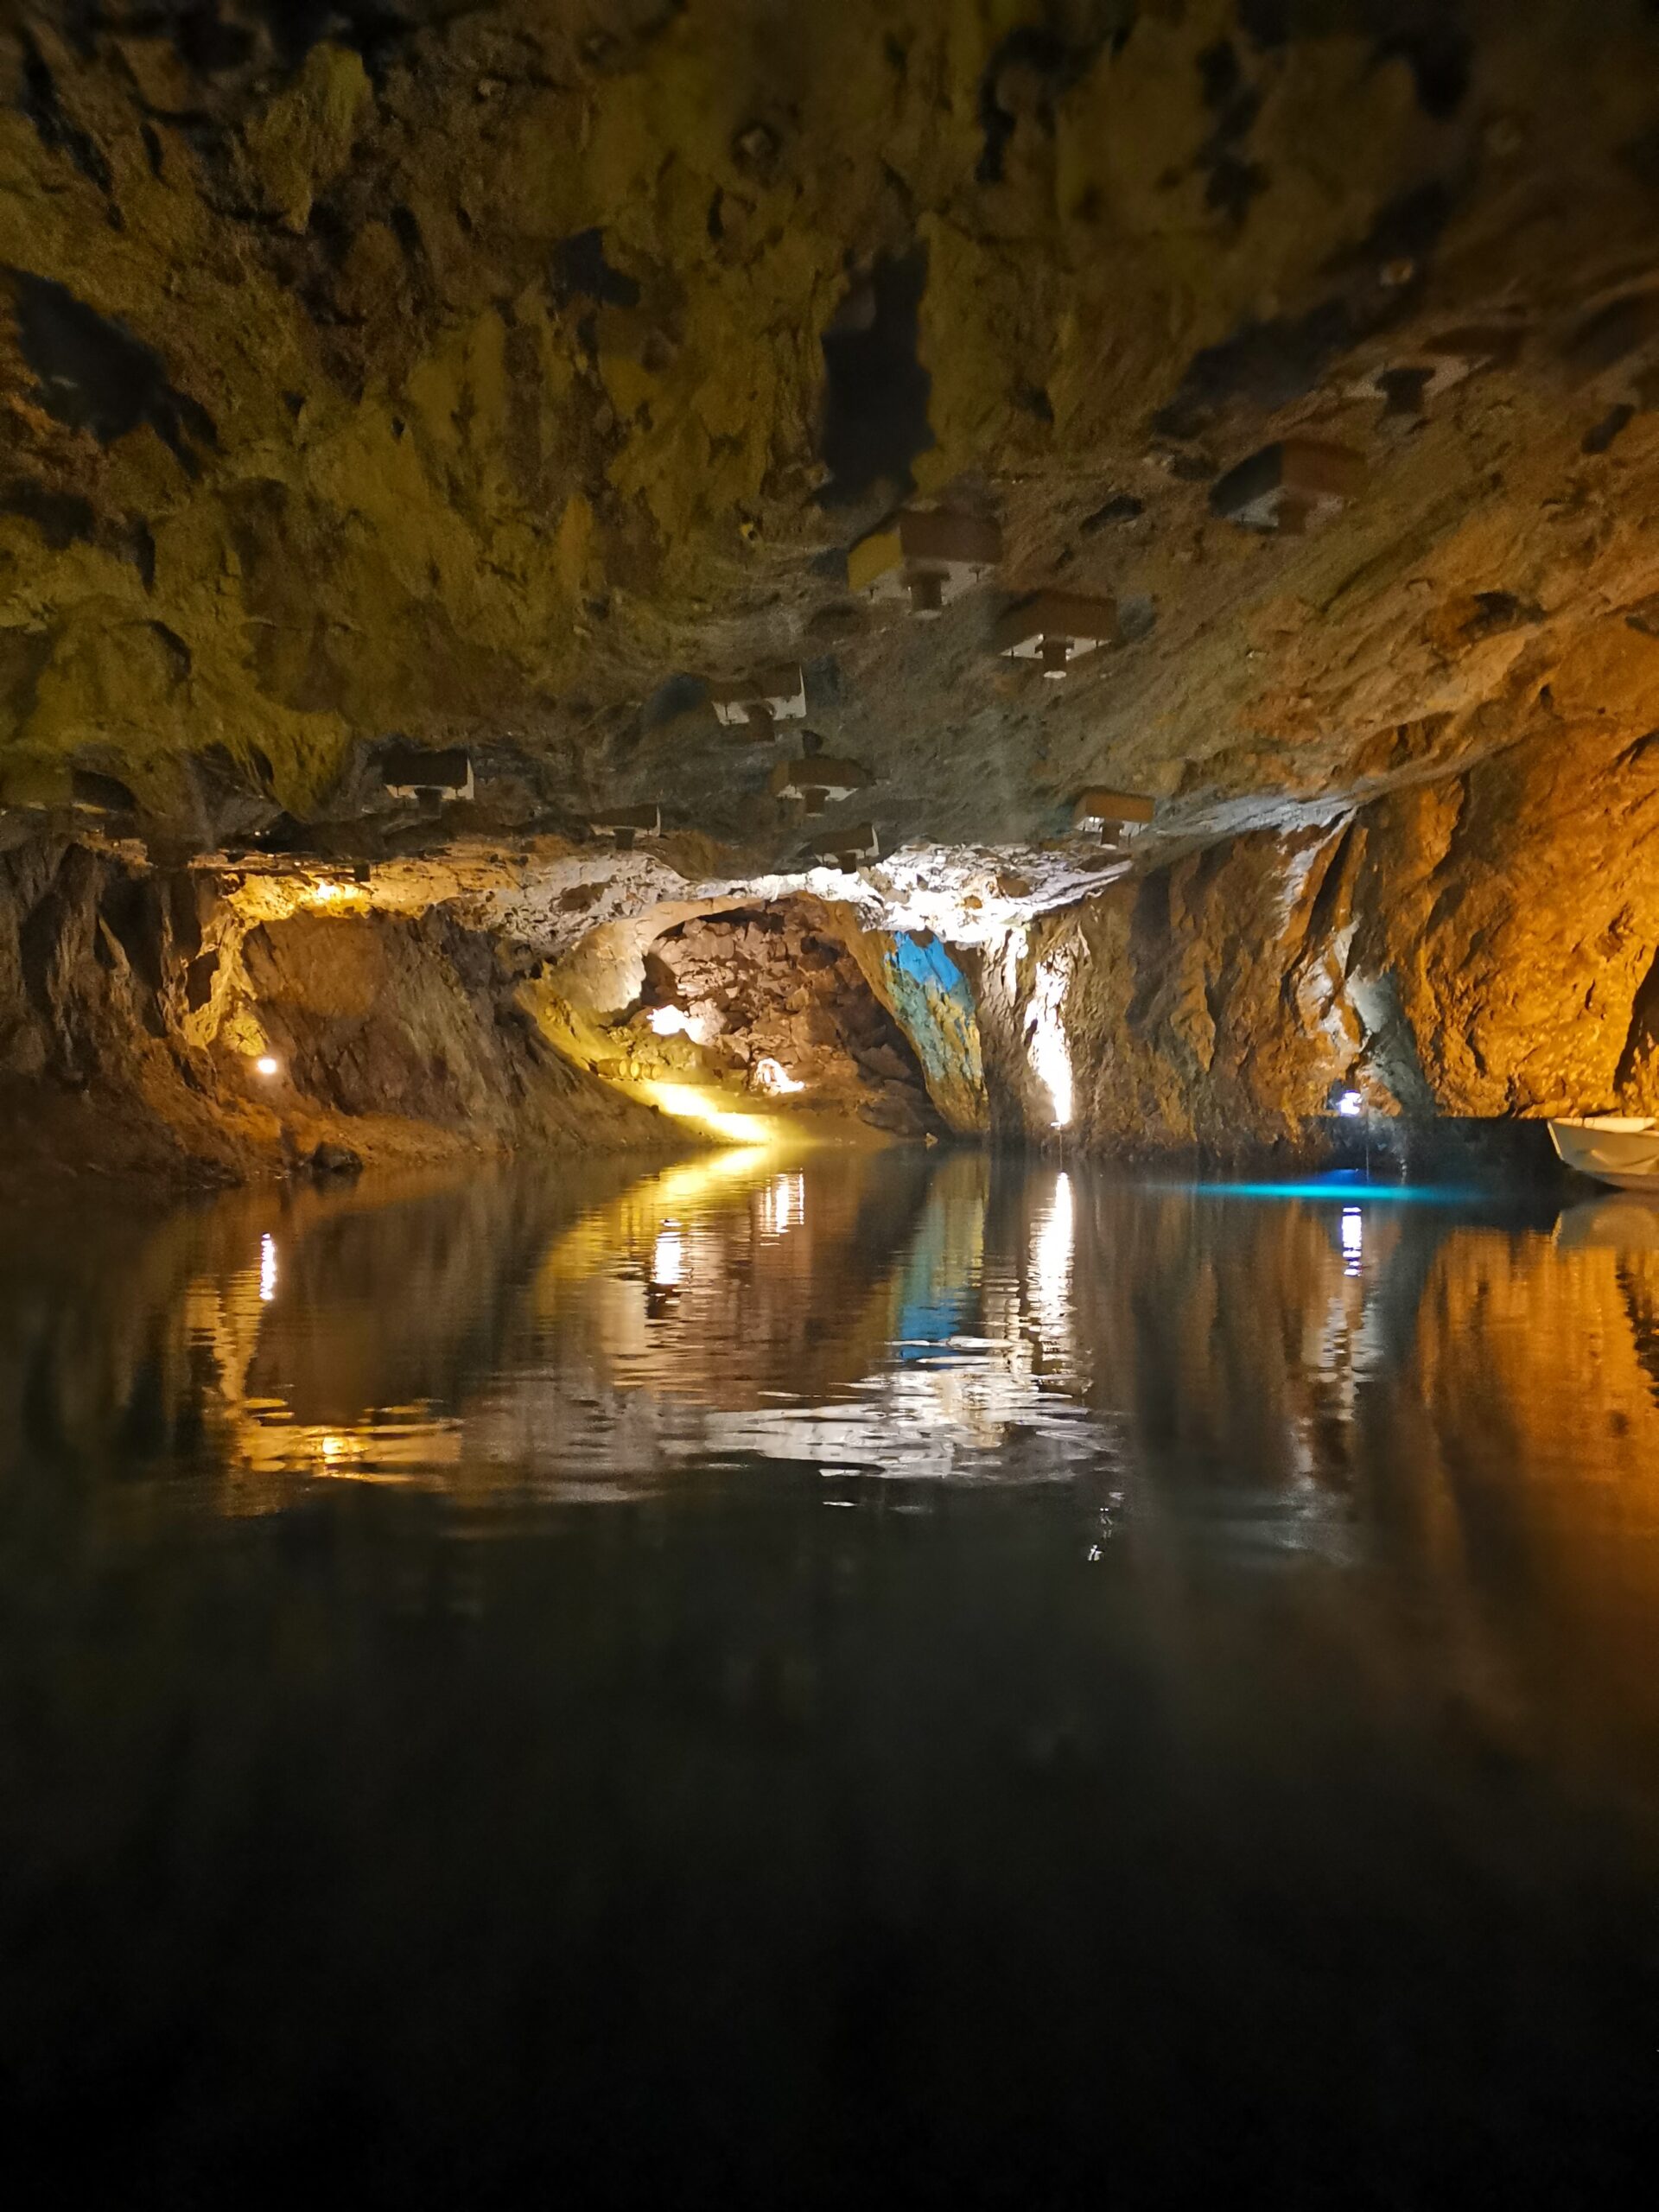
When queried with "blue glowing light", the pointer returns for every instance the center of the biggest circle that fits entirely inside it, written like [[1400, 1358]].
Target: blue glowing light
[[1344, 1183]]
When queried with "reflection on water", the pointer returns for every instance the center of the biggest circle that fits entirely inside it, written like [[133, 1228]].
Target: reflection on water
[[1223, 1709], [506, 1337]]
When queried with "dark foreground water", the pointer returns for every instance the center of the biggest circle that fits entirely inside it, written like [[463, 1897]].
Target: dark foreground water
[[775, 1684]]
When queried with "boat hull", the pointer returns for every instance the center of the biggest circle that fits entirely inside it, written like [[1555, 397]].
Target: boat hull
[[1620, 1152]]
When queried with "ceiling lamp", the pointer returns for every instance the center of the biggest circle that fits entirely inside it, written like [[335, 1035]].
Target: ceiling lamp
[[431, 779], [846, 847], [1056, 628], [1286, 486], [625, 823], [756, 703], [1096, 810], [925, 556], [819, 780]]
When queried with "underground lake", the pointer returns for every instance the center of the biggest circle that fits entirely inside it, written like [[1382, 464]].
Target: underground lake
[[785, 1678]]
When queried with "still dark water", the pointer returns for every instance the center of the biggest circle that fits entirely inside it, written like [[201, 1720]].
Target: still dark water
[[775, 1684]]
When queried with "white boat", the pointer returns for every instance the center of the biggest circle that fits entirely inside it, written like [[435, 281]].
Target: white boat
[[1613, 1147]]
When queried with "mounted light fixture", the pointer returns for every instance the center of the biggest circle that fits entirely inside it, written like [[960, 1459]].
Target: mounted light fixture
[[625, 823], [431, 779], [924, 555], [1056, 628], [844, 849], [1096, 810], [267, 1065], [1288, 485], [757, 702], [818, 781]]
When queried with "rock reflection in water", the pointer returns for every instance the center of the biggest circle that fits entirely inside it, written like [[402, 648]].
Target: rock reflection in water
[[898, 1313], [533, 1331]]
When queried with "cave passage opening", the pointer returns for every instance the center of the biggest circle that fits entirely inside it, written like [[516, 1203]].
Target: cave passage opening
[[772, 1003]]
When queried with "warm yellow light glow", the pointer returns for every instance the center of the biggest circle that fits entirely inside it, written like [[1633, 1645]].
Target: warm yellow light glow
[[266, 1064], [267, 1268], [669, 1021], [326, 894], [687, 1103], [1050, 1055], [775, 1079]]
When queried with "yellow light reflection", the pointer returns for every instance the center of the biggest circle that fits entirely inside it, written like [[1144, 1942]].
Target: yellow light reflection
[[783, 1203]]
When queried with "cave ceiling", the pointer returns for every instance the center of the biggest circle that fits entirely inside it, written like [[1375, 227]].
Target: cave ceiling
[[501, 377]]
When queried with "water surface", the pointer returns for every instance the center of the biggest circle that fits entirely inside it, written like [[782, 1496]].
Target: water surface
[[775, 1680]]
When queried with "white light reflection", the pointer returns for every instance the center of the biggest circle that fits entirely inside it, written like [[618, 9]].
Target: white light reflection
[[1052, 1248], [267, 1268], [1353, 1238], [668, 1259]]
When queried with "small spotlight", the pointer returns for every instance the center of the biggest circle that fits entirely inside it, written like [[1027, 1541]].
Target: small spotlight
[[265, 1064], [1351, 1104], [669, 1021]]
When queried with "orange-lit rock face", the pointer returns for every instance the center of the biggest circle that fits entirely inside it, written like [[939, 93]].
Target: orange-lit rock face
[[1482, 945]]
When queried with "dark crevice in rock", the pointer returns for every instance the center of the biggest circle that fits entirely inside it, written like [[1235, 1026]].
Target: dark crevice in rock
[[1036, 62], [1439, 56], [1122, 507], [94, 375], [61, 518], [1599, 439], [582, 271], [131, 909], [210, 46], [1266, 23], [1219, 74], [1642, 1038], [1496, 611], [876, 390], [1233, 185], [106, 794], [57, 129], [295, 26]]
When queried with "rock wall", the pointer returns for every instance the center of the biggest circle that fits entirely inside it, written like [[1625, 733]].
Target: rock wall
[[1484, 945], [929, 998], [498, 375], [135, 1003]]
